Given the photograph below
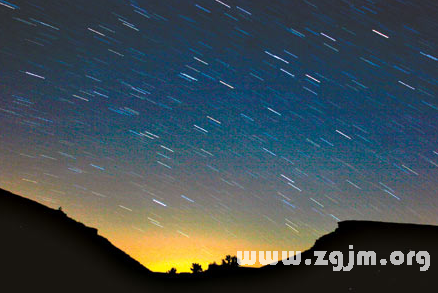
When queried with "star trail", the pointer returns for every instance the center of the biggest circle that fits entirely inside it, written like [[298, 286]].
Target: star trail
[[188, 130]]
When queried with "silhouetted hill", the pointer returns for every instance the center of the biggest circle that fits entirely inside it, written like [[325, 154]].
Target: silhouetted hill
[[42, 250], [382, 238]]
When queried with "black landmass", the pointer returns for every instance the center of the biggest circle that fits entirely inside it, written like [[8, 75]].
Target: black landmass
[[43, 250]]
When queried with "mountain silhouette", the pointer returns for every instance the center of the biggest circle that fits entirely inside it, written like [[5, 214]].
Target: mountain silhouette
[[43, 250]]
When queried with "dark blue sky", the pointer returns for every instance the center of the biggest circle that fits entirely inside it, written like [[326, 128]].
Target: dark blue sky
[[198, 127]]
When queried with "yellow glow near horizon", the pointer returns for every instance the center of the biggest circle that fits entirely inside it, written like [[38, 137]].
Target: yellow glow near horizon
[[160, 249], [157, 249], [160, 253]]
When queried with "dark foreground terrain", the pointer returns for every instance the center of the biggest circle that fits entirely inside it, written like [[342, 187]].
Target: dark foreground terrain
[[43, 250]]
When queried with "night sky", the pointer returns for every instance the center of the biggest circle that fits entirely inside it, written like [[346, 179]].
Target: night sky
[[187, 130]]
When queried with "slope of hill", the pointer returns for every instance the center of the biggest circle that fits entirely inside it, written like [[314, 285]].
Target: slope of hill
[[43, 250]]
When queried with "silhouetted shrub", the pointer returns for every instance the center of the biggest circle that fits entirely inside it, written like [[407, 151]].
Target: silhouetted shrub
[[172, 271], [234, 262], [213, 266], [196, 268], [230, 261]]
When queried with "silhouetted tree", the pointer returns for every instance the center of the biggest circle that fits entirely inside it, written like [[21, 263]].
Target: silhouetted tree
[[234, 262], [230, 261], [172, 271], [196, 268], [61, 211]]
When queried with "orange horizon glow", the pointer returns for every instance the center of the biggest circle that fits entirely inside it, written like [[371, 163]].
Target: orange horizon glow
[[160, 253], [158, 250]]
